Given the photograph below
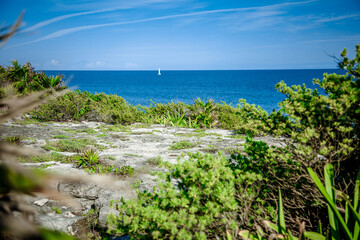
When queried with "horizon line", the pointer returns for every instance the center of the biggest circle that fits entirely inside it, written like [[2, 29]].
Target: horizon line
[[155, 70]]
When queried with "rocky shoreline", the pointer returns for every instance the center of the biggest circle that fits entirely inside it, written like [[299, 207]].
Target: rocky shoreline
[[136, 146]]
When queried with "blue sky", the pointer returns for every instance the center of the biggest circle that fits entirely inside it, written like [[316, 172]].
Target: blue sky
[[180, 34]]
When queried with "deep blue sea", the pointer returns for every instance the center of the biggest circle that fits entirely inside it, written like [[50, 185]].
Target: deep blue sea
[[138, 87]]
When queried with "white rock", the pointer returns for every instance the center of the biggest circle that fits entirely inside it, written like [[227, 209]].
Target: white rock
[[41, 202], [69, 214], [70, 230]]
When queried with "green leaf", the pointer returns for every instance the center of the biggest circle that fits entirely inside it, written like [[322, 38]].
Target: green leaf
[[314, 236], [329, 201], [271, 225], [329, 185], [246, 235], [228, 235], [281, 217], [356, 205], [355, 214]]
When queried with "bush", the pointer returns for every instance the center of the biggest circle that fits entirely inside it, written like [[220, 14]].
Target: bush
[[80, 106], [26, 80], [204, 202], [323, 129], [278, 168], [326, 127], [244, 118]]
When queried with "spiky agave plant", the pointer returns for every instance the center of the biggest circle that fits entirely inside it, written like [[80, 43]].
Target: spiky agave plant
[[88, 158]]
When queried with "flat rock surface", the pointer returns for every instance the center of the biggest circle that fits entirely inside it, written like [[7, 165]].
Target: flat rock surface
[[137, 146]]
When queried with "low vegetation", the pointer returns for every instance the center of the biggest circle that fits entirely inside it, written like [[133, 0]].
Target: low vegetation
[[182, 145], [154, 161], [89, 160], [54, 156], [71, 145]]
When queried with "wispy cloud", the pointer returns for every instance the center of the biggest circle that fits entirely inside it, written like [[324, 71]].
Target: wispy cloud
[[63, 17], [95, 5], [253, 20], [342, 39], [67, 31], [71, 5], [338, 18]]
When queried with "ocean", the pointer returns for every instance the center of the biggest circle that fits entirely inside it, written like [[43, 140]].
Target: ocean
[[142, 87]]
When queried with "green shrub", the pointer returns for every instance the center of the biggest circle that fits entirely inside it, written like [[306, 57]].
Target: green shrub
[[244, 118], [203, 203], [323, 129], [80, 106], [26, 80], [204, 114]]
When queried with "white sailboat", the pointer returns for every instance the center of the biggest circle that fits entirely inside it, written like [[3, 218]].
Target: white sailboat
[[159, 73]]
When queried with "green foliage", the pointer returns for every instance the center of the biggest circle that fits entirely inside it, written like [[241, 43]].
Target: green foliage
[[279, 228], [54, 156], [122, 171], [204, 203], [89, 157], [347, 225], [196, 208], [114, 128], [173, 114], [56, 210], [326, 124], [323, 128], [278, 168], [341, 225], [13, 139], [89, 160], [182, 145], [61, 136], [205, 113], [26, 80], [72, 145], [80, 106]]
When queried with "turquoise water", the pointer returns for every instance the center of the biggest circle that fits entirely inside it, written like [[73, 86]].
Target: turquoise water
[[138, 87]]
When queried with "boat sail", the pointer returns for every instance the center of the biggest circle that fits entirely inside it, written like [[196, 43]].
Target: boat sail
[[159, 73]]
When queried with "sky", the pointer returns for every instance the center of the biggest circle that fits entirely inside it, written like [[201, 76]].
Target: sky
[[180, 34]]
